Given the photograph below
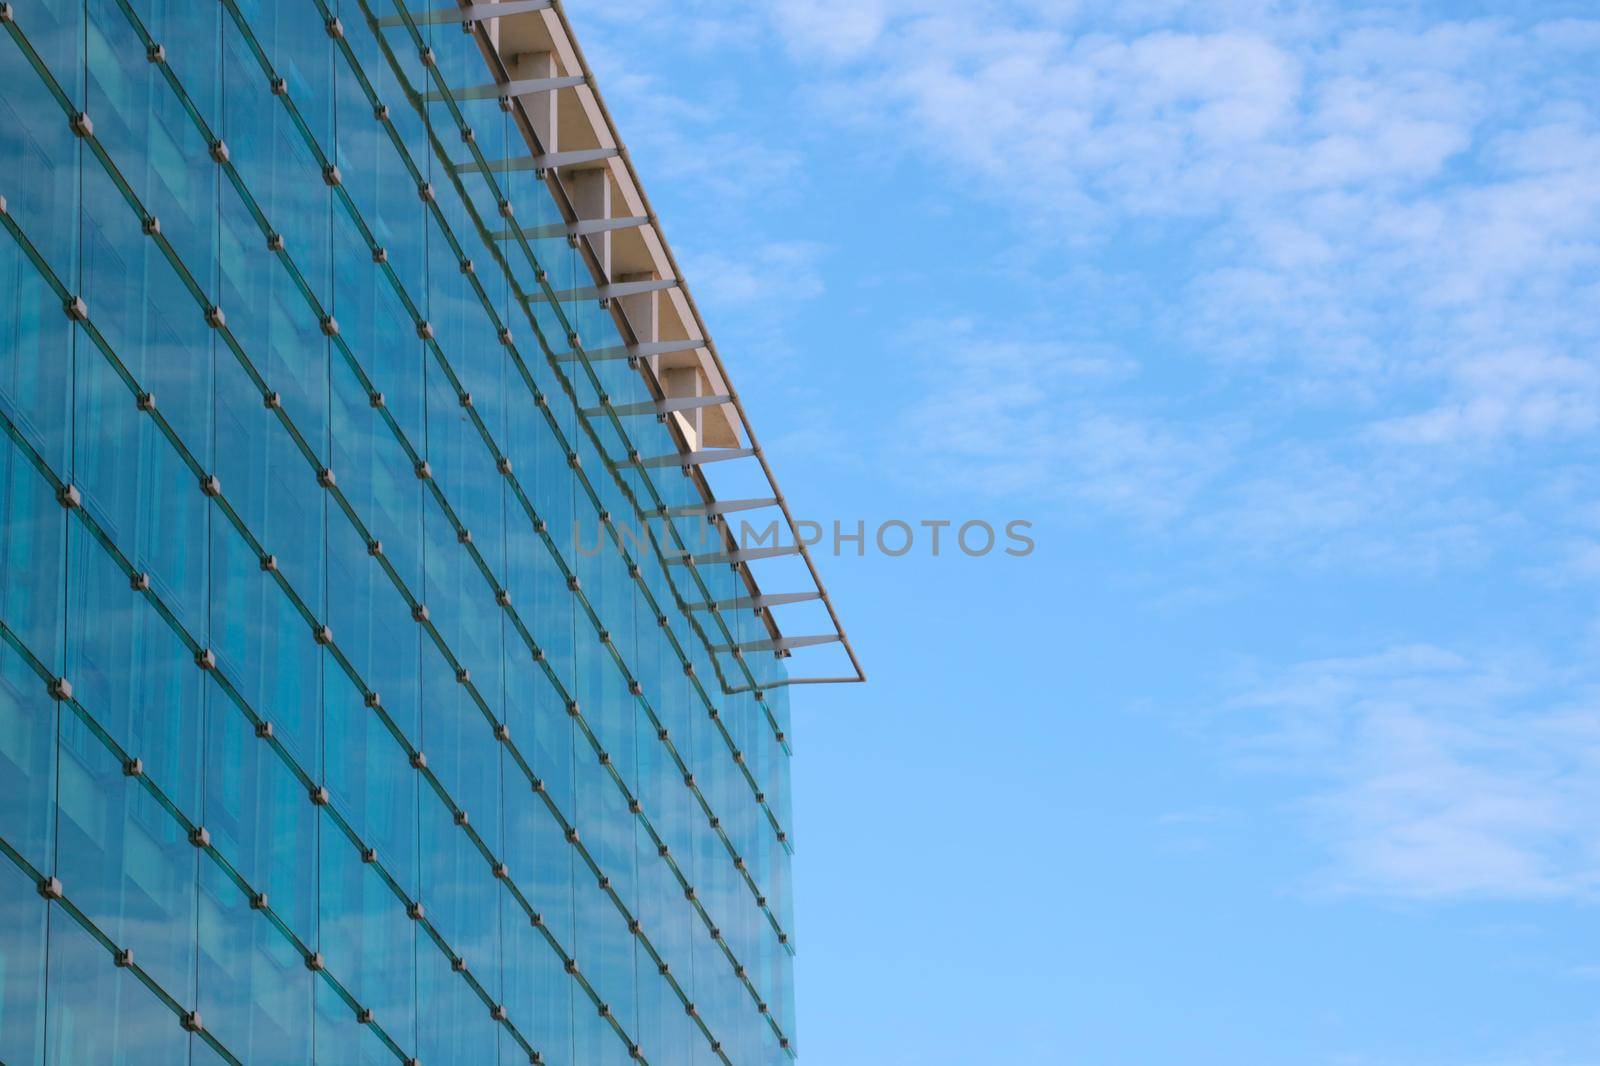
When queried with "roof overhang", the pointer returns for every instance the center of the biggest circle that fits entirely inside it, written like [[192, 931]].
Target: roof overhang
[[535, 63]]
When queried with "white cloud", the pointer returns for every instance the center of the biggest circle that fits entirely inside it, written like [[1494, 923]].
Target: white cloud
[[1518, 392], [682, 142], [1374, 194], [1438, 774], [1055, 422], [1367, 245], [834, 30], [1373, 236]]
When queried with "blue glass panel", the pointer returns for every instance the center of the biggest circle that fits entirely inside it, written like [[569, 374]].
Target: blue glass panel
[[341, 1039], [40, 153], [32, 554], [365, 767], [100, 1013], [190, 39], [457, 889], [367, 940], [36, 339], [255, 990], [453, 1025], [127, 863], [260, 817], [23, 915], [27, 760], [540, 859]]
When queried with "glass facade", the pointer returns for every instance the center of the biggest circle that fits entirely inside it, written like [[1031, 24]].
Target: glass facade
[[320, 741]]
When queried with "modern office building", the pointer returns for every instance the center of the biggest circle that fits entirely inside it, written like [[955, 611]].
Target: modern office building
[[322, 323]]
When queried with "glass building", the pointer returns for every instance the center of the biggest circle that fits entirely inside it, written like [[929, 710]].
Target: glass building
[[322, 322]]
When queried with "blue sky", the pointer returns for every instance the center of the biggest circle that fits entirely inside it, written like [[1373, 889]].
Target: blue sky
[[1279, 323]]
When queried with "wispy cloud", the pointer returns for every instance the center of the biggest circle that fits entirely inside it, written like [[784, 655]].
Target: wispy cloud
[[1012, 416], [1371, 235], [1435, 773], [1059, 422], [1368, 235], [699, 143]]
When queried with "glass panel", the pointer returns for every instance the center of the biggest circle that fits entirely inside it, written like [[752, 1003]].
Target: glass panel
[[127, 863], [27, 760], [255, 990], [368, 941], [22, 967], [259, 817], [341, 1039], [453, 1025], [100, 1012], [133, 675]]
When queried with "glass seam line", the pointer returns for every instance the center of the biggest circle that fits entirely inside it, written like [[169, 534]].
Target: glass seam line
[[194, 647], [450, 514], [99, 935], [166, 803], [550, 298], [389, 271]]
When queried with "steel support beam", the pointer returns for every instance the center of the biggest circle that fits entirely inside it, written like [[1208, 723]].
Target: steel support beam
[[580, 228], [471, 13], [705, 510], [642, 351], [756, 603], [631, 351], [740, 555], [785, 681], [509, 88], [659, 407], [617, 289], [547, 161], [700, 458], [781, 643]]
